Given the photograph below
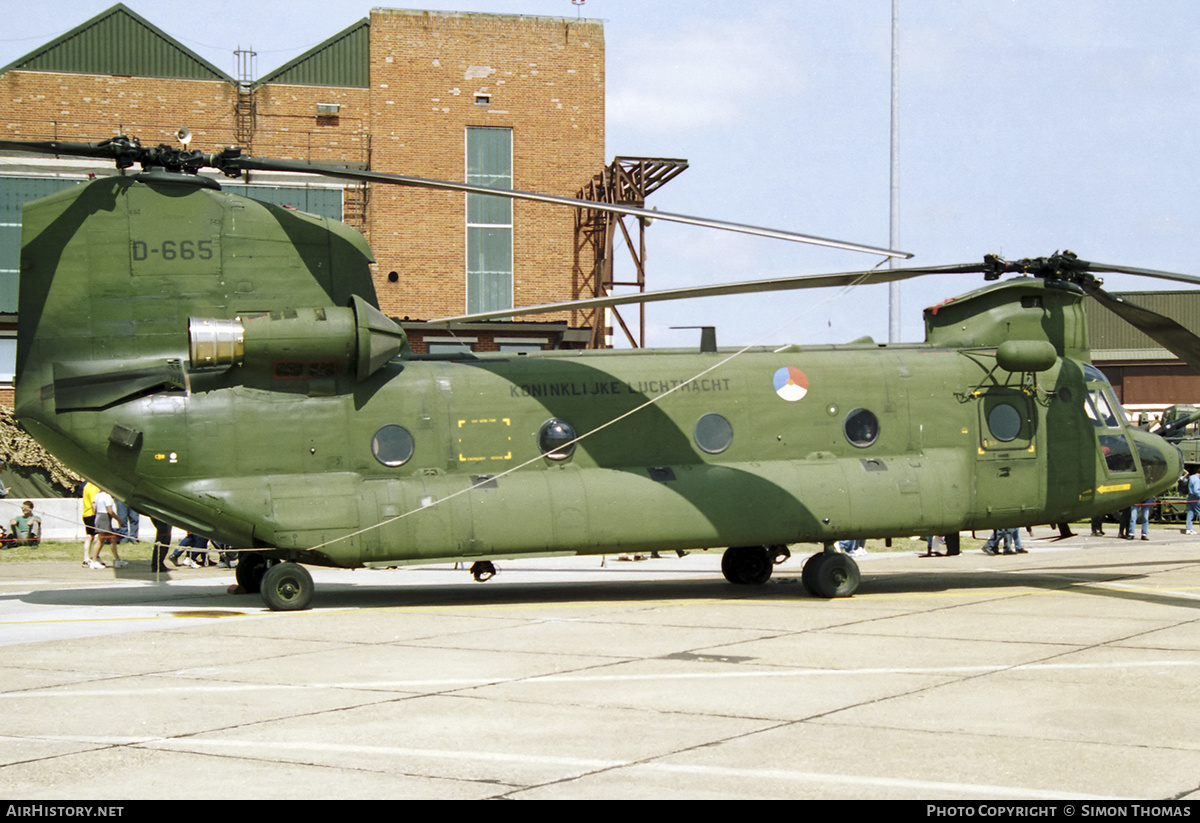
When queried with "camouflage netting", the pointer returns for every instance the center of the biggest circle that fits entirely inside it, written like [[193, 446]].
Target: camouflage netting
[[28, 470]]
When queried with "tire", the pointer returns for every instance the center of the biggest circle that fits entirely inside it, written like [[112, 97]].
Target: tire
[[287, 587], [249, 572], [747, 565], [836, 575], [808, 574]]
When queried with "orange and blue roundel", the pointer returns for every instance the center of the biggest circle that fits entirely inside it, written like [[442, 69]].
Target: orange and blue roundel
[[791, 384]]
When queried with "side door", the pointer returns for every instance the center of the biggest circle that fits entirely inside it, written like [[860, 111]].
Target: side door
[[1009, 476]]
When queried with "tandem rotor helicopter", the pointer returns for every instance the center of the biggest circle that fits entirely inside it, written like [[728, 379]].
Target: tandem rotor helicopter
[[223, 365]]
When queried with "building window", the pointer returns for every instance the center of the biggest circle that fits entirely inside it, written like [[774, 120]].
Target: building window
[[8, 358], [521, 345], [15, 192], [321, 201], [489, 221], [450, 345]]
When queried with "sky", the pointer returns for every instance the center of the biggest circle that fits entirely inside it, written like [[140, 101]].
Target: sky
[[1025, 127]]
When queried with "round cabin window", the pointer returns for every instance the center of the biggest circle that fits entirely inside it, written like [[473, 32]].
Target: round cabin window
[[392, 445], [713, 433], [861, 427], [1004, 422], [556, 439]]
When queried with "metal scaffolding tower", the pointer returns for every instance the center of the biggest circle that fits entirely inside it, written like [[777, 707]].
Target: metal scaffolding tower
[[627, 181]]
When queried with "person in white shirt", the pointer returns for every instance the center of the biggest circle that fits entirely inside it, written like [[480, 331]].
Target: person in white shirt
[[107, 525]]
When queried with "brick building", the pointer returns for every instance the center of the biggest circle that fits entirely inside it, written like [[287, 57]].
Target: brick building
[[511, 101]]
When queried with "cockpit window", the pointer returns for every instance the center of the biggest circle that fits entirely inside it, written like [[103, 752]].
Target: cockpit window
[[1117, 407], [1091, 374], [1117, 454], [1100, 409], [1109, 419], [1154, 462]]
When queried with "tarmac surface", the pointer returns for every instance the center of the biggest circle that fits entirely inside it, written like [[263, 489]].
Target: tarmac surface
[[1068, 672]]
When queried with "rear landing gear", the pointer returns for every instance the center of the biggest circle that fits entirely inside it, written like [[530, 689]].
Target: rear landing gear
[[287, 587], [830, 574]]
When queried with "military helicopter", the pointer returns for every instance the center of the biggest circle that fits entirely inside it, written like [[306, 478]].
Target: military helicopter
[[223, 365]]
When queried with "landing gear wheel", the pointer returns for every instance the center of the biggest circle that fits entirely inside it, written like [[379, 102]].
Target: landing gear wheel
[[808, 573], [249, 572], [482, 570], [287, 587], [747, 565], [830, 574]]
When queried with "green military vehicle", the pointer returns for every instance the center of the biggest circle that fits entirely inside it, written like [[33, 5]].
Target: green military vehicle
[[1180, 425]]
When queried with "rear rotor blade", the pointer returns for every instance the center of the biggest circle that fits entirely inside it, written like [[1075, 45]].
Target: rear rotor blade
[[100, 151], [809, 281], [126, 151], [261, 164]]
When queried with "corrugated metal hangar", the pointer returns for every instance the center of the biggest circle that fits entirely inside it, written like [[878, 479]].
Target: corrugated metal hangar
[[1145, 376]]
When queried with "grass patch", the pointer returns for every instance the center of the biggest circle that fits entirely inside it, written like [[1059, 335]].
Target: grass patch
[[53, 550]]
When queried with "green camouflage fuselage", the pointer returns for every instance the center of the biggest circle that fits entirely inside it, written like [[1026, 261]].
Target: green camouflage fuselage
[[316, 451]]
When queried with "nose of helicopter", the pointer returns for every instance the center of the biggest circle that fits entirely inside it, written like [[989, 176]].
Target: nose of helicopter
[[1162, 462]]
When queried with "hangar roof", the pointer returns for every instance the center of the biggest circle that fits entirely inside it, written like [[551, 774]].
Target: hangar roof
[[119, 42], [343, 60], [1112, 338]]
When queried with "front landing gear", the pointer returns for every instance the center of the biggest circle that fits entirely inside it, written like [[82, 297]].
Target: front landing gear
[[748, 565], [482, 570], [287, 587], [830, 574], [249, 572]]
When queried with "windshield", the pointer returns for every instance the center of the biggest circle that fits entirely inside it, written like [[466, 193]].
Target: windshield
[[1101, 410], [1109, 420]]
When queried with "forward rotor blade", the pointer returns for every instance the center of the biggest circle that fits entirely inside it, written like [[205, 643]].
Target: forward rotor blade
[[261, 164], [1161, 275], [809, 281], [1173, 337], [1065, 266]]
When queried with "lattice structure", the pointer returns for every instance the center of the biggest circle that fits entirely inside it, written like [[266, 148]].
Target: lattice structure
[[627, 181]]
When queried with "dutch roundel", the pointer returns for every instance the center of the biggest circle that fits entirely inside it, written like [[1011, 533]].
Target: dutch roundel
[[791, 384]]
